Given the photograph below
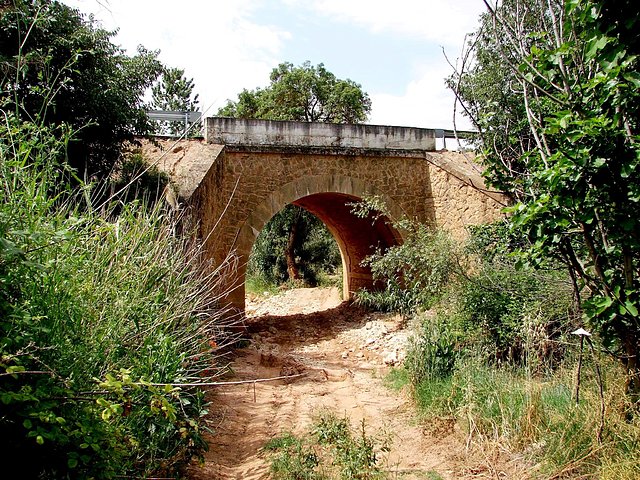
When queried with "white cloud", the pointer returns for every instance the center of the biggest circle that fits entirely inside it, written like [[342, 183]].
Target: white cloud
[[225, 47], [444, 22], [214, 41], [426, 102]]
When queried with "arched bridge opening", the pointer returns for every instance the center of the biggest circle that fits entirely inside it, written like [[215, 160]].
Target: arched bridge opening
[[330, 199], [357, 237]]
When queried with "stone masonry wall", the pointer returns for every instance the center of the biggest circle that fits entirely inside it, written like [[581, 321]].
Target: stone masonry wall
[[234, 190], [250, 179]]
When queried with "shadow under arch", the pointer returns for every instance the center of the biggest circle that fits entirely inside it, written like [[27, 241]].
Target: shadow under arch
[[328, 198]]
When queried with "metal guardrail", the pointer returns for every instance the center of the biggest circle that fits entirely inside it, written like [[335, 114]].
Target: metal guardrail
[[174, 116], [464, 134], [459, 134]]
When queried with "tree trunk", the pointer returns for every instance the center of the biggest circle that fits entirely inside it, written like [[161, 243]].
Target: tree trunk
[[292, 267], [633, 369]]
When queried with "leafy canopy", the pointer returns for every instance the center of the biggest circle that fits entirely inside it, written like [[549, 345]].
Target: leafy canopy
[[566, 145], [58, 67], [304, 94]]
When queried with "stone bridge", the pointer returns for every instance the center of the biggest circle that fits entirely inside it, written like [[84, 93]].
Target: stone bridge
[[245, 171]]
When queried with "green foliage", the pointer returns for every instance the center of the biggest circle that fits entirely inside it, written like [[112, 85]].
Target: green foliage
[[174, 92], [397, 378], [415, 274], [541, 417], [58, 67], [97, 312], [518, 311], [136, 179], [333, 450], [489, 91], [101, 311], [574, 68], [508, 409], [304, 94], [504, 314], [433, 353], [311, 247], [356, 454], [497, 358], [256, 286], [293, 460]]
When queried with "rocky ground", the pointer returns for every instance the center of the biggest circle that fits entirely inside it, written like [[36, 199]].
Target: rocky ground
[[341, 354]]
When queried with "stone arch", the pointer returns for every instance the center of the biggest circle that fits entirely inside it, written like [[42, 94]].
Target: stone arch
[[327, 197]]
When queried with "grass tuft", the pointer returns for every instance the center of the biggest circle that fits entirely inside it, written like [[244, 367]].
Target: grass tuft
[[333, 449]]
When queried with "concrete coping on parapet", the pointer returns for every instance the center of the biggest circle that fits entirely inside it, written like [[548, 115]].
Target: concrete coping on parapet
[[276, 133]]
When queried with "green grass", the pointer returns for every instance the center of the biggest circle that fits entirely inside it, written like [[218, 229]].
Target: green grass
[[433, 476], [332, 449], [396, 379], [293, 458], [537, 416], [257, 286]]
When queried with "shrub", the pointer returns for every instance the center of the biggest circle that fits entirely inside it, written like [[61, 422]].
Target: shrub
[[415, 274], [515, 308], [433, 353], [101, 314], [332, 450], [497, 358], [292, 459]]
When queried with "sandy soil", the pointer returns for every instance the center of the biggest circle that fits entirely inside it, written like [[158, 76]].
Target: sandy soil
[[344, 353]]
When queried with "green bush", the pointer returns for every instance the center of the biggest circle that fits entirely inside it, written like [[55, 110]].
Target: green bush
[[332, 450], [497, 357], [515, 309], [292, 459], [415, 274], [433, 353], [97, 313]]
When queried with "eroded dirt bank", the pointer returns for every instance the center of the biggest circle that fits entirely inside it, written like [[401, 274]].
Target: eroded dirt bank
[[344, 354]]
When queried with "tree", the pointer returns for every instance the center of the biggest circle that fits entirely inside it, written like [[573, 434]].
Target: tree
[[58, 67], [572, 70], [304, 94], [490, 93], [293, 245], [174, 92]]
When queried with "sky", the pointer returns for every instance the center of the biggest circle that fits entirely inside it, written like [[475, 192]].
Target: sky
[[392, 48]]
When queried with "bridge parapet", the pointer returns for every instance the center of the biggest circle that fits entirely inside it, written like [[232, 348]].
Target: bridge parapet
[[271, 133]]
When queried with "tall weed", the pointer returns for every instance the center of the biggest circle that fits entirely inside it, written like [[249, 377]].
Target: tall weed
[[497, 357], [333, 449], [102, 314]]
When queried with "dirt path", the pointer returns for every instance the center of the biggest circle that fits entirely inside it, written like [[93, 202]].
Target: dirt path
[[344, 354]]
